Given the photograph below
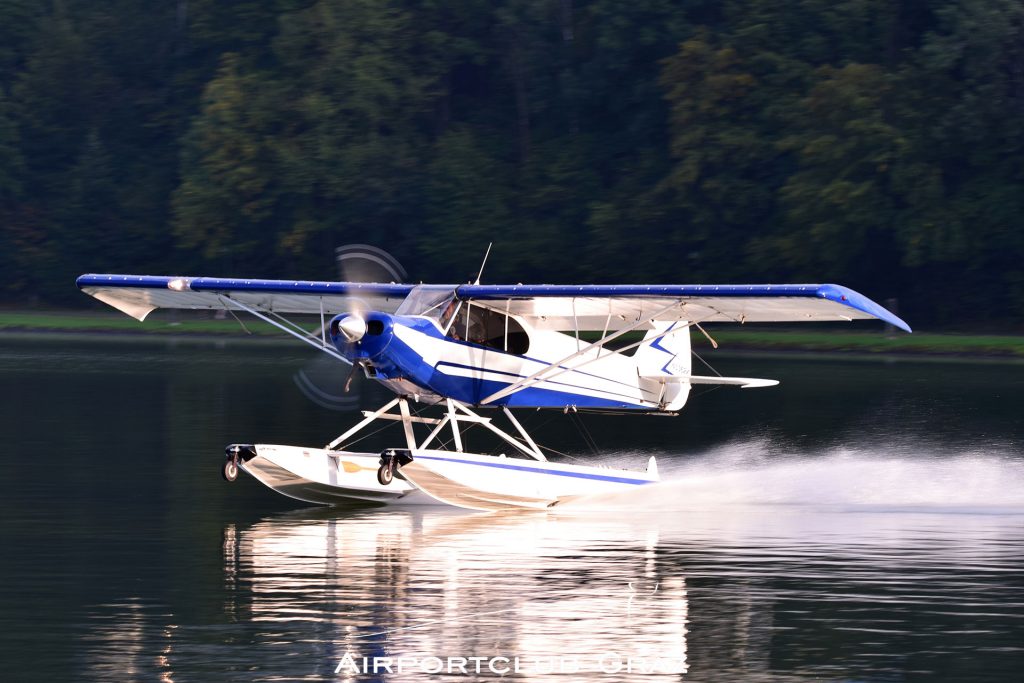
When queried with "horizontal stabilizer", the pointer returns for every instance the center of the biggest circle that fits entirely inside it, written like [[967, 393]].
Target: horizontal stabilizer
[[742, 382]]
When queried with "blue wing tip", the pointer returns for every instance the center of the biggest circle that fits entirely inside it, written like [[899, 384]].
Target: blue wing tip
[[853, 299]]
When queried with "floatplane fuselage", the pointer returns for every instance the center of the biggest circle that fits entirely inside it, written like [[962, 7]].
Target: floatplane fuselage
[[418, 356]]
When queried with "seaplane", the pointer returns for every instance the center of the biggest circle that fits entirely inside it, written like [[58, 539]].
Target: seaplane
[[468, 355]]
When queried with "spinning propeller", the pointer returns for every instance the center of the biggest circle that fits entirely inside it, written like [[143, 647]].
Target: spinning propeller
[[323, 380]]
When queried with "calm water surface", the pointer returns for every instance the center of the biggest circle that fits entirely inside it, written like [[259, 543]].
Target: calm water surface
[[862, 521]]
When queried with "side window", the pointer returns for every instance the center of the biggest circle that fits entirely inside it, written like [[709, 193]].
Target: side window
[[488, 328], [518, 339], [458, 327], [446, 311]]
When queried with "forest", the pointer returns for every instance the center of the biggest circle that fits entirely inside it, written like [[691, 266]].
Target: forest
[[877, 144]]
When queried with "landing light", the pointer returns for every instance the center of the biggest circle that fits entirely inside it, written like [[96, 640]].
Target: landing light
[[178, 284]]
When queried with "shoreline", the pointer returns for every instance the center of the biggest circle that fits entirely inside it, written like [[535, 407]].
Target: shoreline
[[841, 343]]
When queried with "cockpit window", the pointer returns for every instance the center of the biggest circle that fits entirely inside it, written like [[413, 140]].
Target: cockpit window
[[486, 327]]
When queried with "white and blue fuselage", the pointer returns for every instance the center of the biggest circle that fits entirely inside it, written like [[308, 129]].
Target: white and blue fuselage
[[413, 355]]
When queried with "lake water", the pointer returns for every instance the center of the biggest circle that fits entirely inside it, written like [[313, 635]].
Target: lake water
[[862, 521]]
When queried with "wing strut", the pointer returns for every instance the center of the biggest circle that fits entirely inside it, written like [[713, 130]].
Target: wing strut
[[267, 319]]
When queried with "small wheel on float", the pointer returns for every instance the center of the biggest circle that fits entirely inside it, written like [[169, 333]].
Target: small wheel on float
[[386, 473], [230, 470]]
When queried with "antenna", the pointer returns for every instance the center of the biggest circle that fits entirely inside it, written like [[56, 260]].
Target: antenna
[[488, 253]]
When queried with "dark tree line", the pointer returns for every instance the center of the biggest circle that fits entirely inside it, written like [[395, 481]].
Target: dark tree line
[[875, 143]]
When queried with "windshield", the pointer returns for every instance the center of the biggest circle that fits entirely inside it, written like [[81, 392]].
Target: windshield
[[427, 300]]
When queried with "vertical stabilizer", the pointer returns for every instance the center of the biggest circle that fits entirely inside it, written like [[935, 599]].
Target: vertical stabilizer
[[666, 353]]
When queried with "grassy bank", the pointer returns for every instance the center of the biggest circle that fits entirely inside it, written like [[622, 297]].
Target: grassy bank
[[872, 342], [751, 337], [102, 322]]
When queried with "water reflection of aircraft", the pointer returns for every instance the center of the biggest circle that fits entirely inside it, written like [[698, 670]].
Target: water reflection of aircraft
[[585, 593], [743, 594], [129, 644], [465, 347]]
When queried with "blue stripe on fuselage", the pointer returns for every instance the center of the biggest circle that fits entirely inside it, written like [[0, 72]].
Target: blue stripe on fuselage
[[517, 377]]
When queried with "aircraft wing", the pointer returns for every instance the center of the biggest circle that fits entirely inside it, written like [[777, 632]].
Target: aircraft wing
[[139, 295], [556, 307], [612, 307]]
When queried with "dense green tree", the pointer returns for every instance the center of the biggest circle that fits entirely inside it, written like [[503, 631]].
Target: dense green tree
[[85, 223], [468, 201], [11, 171], [12, 166], [838, 206], [225, 202], [55, 99], [60, 97], [727, 163], [17, 30], [363, 80], [966, 86]]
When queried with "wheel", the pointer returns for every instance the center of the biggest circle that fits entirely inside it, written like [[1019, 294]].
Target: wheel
[[230, 470], [385, 473]]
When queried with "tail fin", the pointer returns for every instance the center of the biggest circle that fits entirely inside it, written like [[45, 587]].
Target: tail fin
[[666, 353]]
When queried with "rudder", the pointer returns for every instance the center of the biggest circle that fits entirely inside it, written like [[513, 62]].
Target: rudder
[[665, 352], [668, 355]]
